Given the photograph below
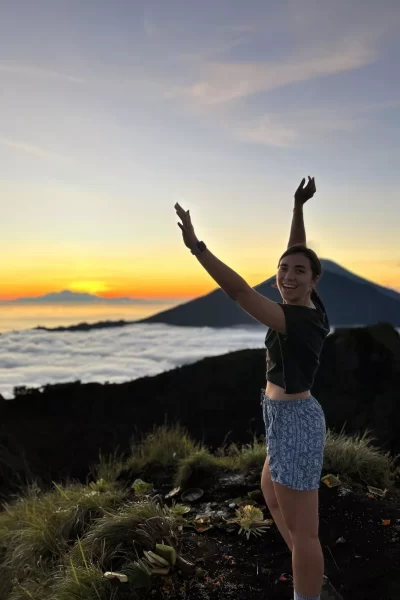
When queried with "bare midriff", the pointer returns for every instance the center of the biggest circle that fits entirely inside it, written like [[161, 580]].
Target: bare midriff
[[275, 392]]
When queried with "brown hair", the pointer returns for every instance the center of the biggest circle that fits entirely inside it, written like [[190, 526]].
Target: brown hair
[[316, 266]]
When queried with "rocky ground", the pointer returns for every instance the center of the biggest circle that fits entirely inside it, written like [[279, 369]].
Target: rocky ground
[[361, 548]]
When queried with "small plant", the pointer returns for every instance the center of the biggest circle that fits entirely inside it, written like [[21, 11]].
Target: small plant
[[141, 488], [250, 519], [179, 510], [156, 564], [138, 575], [167, 552]]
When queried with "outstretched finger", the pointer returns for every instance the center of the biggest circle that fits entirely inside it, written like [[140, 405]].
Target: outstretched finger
[[314, 186], [180, 212], [302, 182]]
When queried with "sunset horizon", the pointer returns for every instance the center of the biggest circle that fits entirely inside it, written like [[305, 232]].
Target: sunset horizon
[[223, 108], [96, 288]]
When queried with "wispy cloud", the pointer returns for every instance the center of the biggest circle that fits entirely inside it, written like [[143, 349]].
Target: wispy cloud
[[295, 128], [31, 149], [226, 82], [35, 71], [219, 94], [212, 50], [267, 130]]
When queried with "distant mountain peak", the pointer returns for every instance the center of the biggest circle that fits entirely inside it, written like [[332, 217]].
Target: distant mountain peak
[[67, 296]]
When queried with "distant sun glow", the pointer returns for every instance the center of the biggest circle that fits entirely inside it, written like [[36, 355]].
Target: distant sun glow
[[90, 287]]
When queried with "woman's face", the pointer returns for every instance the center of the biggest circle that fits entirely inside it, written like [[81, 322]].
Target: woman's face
[[295, 279]]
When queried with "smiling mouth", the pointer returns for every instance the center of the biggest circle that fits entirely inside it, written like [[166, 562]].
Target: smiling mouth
[[288, 287]]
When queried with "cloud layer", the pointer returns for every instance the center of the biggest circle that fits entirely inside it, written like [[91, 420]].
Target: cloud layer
[[35, 358]]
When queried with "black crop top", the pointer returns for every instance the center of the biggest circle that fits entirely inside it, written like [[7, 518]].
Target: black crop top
[[293, 357]]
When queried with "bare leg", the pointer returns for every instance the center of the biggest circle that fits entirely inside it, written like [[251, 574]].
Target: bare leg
[[268, 490], [300, 512]]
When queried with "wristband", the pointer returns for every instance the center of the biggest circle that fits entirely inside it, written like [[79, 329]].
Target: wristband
[[199, 248]]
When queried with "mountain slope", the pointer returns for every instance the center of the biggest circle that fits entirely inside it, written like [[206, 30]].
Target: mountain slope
[[329, 265]]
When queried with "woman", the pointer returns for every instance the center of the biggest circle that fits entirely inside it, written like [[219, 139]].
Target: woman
[[294, 420]]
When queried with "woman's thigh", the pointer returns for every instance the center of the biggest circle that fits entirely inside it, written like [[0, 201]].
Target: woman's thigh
[[267, 486], [299, 508]]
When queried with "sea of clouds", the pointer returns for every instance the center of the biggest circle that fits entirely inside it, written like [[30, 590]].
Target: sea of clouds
[[34, 358]]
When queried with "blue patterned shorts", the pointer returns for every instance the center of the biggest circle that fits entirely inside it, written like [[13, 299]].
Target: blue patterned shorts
[[295, 438]]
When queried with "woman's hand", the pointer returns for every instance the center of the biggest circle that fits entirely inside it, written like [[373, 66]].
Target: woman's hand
[[302, 194], [189, 237]]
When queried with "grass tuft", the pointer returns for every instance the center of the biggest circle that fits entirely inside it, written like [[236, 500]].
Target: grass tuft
[[139, 525], [108, 468], [200, 466], [356, 457], [249, 457], [82, 583], [165, 447], [37, 530]]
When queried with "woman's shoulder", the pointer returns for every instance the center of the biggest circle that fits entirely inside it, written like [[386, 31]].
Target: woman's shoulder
[[301, 317]]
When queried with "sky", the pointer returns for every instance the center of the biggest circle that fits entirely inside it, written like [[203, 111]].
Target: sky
[[111, 112]]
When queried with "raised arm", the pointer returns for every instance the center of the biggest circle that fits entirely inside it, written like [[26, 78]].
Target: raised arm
[[302, 194], [262, 309]]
